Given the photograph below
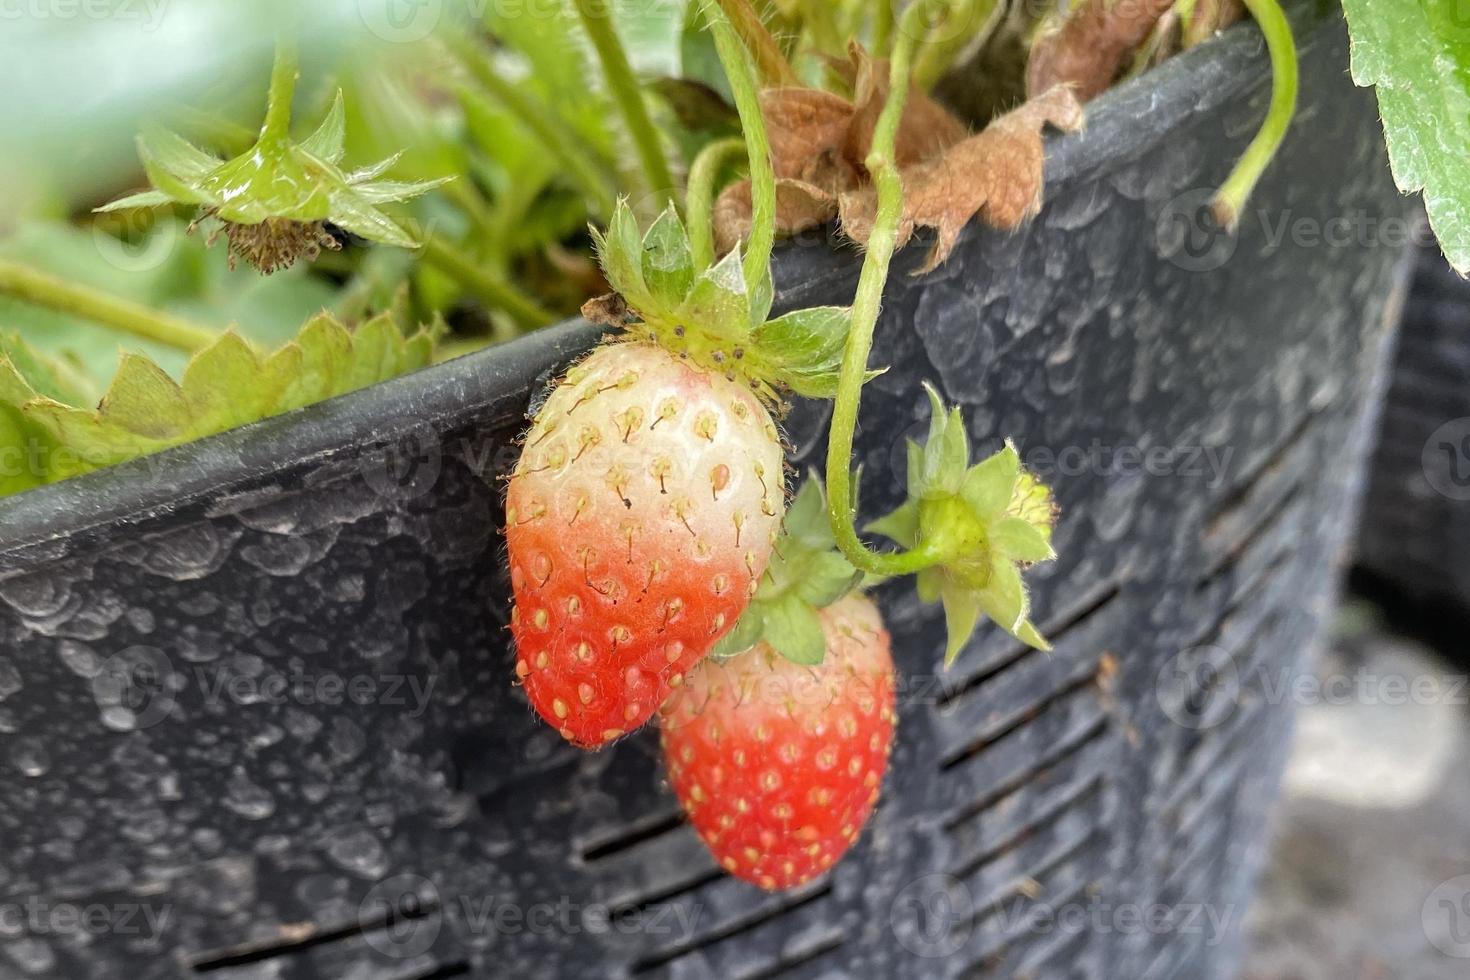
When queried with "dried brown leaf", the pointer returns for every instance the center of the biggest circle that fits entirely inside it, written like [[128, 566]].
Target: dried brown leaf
[[996, 174], [1211, 16], [926, 130], [799, 207], [803, 123], [1092, 45], [609, 310]]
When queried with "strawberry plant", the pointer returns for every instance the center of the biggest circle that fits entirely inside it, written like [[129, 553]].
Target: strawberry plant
[[479, 187]]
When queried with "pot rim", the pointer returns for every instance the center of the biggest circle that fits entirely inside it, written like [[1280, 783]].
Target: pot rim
[[1123, 123]]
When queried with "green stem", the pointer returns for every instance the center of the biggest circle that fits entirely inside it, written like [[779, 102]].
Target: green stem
[[540, 122], [1231, 198], [775, 71], [963, 22], [490, 288], [865, 307], [699, 197], [64, 296], [597, 20], [882, 28], [743, 86], [283, 89]]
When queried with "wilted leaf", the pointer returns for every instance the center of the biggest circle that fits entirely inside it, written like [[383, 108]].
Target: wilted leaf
[[1091, 46], [996, 174], [799, 206]]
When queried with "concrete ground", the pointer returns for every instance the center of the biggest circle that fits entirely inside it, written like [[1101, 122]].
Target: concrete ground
[[1370, 872]]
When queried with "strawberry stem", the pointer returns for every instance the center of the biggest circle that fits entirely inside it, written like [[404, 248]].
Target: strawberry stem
[[539, 121], [1231, 198], [277, 125], [43, 289], [757, 146], [597, 21], [865, 306], [699, 197], [490, 288], [962, 23], [775, 71], [882, 28]]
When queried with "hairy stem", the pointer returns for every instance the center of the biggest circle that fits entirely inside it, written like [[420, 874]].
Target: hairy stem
[[963, 22], [597, 21], [540, 122], [488, 287], [65, 296], [1231, 198], [277, 124], [699, 197], [774, 70], [882, 28], [865, 307], [757, 147]]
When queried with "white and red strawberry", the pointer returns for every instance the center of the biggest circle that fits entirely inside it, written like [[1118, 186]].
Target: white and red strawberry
[[639, 518], [651, 487], [779, 764]]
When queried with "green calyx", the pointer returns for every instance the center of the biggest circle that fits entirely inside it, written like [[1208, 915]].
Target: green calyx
[[982, 524], [806, 573], [276, 198], [714, 316]]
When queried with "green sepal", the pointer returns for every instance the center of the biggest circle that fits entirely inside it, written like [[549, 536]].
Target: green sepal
[[982, 525], [806, 573], [276, 179], [668, 262], [718, 302]]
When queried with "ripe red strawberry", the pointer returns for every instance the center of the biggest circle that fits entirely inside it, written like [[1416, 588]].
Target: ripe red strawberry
[[778, 764], [639, 518]]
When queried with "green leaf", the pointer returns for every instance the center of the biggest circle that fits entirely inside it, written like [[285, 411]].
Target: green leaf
[[620, 253], [806, 517], [1417, 54], [718, 301], [990, 483], [326, 144], [962, 609], [145, 199], [1020, 540], [901, 526], [746, 634], [794, 630], [826, 577], [225, 385], [668, 263]]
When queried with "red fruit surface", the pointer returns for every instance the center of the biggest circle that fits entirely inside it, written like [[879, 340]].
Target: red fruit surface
[[778, 765], [639, 518]]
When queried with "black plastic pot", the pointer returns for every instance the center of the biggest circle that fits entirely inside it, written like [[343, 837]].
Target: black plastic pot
[[1416, 517], [1093, 813]]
